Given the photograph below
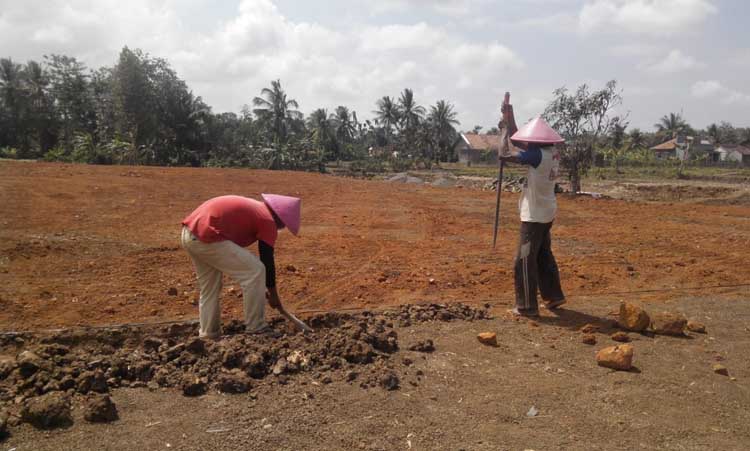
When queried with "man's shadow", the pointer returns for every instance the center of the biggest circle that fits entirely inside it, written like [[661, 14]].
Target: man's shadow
[[574, 320]]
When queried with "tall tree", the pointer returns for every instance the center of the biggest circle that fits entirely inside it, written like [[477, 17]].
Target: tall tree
[[11, 93], [411, 113], [583, 118], [636, 139], [671, 124], [134, 98], [443, 120], [69, 85], [344, 122], [40, 112], [387, 115], [274, 108]]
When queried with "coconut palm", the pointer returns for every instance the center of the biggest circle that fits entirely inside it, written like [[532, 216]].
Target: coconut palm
[[323, 132], [387, 115], [344, 122], [11, 98], [411, 113], [671, 124], [636, 139], [443, 119], [274, 107]]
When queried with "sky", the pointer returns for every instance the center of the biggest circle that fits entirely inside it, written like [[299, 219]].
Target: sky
[[684, 56]]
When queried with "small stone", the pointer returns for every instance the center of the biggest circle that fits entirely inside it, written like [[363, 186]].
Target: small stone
[[589, 339], [633, 318], [488, 338], [695, 326], [718, 368], [351, 376], [667, 323], [3, 424], [589, 328], [233, 382], [291, 268], [152, 344], [47, 411], [7, 365], [193, 385], [28, 363], [326, 380], [196, 346], [172, 291], [280, 367], [407, 361], [298, 361], [389, 381], [100, 409], [92, 381], [423, 346], [618, 357], [621, 336]]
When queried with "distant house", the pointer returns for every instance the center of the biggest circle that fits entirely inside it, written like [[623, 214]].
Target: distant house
[[666, 149], [682, 146], [731, 152], [472, 146]]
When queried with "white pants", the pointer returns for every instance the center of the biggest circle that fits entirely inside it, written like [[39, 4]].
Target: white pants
[[211, 261]]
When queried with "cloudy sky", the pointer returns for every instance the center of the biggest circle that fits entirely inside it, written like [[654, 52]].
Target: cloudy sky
[[690, 56]]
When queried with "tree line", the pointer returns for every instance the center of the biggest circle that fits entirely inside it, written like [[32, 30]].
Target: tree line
[[140, 112]]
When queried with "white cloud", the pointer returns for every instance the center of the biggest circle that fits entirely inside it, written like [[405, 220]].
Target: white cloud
[[554, 22], [651, 17], [713, 89], [674, 62], [445, 7], [228, 64]]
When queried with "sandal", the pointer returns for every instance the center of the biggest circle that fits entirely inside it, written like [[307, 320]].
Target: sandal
[[555, 304], [517, 313]]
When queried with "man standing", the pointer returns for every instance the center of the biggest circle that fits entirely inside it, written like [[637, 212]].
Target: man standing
[[215, 235], [535, 266]]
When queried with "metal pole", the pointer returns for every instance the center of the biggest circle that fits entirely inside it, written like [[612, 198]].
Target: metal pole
[[497, 203]]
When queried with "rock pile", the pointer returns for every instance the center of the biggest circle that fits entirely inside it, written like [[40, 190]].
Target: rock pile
[[42, 373]]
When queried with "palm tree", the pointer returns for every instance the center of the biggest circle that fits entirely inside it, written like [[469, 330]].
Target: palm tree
[[671, 125], [40, 102], [387, 115], [344, 122], [443, 119], [636, 139], [411, 113], [323, 134], [273, 106], [11, 96]]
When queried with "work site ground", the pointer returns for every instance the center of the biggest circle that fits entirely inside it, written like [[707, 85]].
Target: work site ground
[[84, 246]]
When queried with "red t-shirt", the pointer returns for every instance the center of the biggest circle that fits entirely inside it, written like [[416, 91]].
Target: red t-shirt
[[235, 218]]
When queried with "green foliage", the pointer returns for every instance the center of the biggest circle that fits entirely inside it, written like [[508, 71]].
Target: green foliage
[[57, 154], [584, 119], [8, 152]]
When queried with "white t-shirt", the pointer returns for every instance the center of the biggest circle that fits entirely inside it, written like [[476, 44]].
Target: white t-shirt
[[537, 202]]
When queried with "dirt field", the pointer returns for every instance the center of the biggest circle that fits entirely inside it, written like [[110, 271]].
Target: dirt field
[[87, 245], [82, 245]]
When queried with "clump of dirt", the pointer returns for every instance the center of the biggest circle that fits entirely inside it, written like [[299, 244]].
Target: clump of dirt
[[48, 370]]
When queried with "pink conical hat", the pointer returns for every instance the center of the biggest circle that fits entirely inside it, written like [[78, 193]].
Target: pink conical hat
[[287, 208], [537, 131]]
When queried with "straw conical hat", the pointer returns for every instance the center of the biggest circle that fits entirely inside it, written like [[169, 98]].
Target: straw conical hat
[[537, 131], [287, 208]]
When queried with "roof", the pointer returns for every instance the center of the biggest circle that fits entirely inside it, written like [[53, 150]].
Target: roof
[[735, 147], [485, 142], [669, 145]]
